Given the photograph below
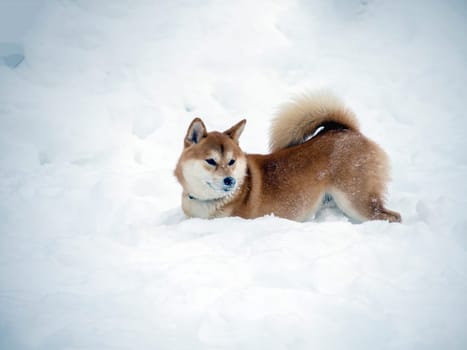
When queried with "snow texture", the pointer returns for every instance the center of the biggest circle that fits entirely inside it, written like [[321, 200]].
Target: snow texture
[[95, 252]]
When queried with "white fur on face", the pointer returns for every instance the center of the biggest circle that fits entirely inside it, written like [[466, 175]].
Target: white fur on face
[[205, 184]]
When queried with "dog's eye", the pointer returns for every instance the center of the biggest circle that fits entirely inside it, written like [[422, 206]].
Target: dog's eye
[[232, 162], [211, 161]]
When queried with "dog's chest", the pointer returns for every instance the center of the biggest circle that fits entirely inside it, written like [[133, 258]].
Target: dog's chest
[[203, 209]]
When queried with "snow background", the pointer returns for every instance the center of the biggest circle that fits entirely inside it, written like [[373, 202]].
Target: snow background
[[95, 252]]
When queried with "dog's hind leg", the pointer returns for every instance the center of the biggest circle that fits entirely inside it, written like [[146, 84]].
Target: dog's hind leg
[[364, 207], [377, 211]]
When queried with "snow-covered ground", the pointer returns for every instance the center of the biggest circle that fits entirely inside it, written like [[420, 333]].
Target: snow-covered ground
[[95, 252]]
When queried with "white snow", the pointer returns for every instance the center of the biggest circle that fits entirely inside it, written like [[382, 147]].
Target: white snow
[[16, 18], [95, 252]]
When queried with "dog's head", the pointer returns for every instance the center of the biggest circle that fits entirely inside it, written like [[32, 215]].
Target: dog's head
[[212, 165]]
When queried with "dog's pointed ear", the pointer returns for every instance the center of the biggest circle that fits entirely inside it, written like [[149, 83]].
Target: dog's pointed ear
[[196, 131], [235, 131]]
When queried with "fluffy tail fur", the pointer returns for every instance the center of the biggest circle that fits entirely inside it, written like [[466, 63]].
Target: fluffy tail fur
[[304, 115]]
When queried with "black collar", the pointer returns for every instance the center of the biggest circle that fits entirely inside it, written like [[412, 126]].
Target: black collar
[[193, 198]]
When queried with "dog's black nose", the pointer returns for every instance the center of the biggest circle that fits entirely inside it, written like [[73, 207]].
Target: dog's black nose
[[229, 181]]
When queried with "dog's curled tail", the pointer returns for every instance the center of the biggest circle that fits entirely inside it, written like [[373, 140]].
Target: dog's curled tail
[[304, 115]]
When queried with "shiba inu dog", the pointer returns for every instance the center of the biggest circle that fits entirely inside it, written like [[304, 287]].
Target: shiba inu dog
[[316, 149]]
